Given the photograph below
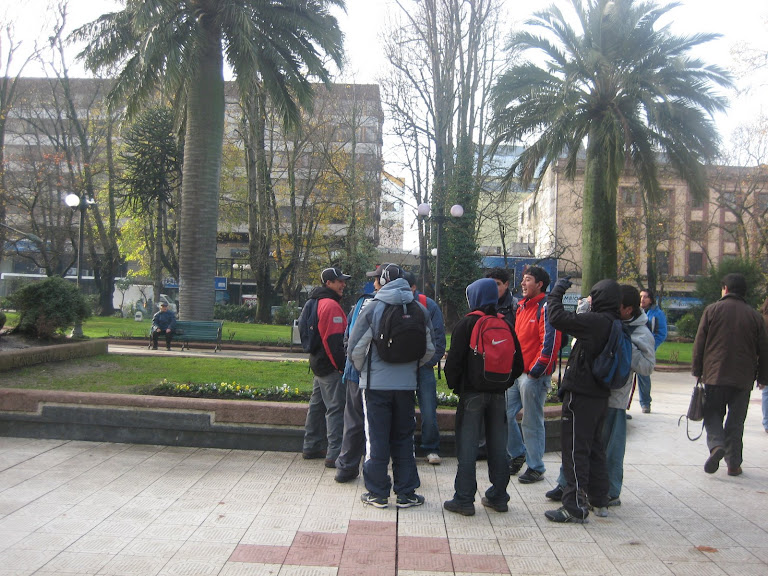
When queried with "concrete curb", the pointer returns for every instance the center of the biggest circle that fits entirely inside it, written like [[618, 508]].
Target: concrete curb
[[174, 421]]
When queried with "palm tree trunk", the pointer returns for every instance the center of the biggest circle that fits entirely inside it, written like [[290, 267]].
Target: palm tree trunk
[[599, 253], [200, 185]]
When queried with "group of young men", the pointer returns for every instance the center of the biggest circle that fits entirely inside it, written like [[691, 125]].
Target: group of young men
[[363, 401]]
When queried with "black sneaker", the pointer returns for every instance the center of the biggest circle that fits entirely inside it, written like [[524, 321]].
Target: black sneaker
[[408, 500], [459, 508], [372, 500], [343, 476], [713, 462], [330, 463], [498, 506], [530, 476], [555, 494], [516, 464], [613, 501], [316, 455], [561, 515]]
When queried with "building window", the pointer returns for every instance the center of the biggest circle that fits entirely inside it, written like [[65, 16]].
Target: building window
[[662, 262], [695, 263], [697, 232], [697, 203], [629, 196]]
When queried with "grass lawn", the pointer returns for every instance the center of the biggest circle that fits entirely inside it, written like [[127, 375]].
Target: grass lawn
[[106, 327], [139, 374]]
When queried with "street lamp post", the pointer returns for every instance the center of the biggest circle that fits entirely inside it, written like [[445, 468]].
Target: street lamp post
[[241, 267], [75, 201], [457, 211]]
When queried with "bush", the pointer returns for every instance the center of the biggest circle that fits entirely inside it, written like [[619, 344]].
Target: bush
[[2, 319], [49, 307], [687, 325], [233, 313], [286, 314]]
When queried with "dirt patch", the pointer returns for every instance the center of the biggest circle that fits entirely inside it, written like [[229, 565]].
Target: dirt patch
[[14, 341]]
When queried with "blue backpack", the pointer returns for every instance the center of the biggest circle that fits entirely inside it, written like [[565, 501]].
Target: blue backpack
[[308, 330], [612, 366]]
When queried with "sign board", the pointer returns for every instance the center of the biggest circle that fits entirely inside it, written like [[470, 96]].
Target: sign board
[[570, 301], [170, 283], [219, 282]]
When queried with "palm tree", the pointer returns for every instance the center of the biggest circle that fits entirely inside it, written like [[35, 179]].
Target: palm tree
[[627, 87], [274, 46]]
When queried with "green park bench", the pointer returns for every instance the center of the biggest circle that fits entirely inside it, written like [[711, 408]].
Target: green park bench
[[196, 331]]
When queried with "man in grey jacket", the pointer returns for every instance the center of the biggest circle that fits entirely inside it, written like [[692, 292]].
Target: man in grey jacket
[[729, 353], [388, 398]]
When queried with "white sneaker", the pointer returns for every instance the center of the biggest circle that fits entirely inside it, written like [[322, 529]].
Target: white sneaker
[[433, 458]]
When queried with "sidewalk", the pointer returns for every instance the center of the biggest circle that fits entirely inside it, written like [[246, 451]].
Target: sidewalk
[[94, 508]]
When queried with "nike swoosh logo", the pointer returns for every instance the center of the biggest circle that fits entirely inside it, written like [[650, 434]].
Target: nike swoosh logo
[[494, 342]]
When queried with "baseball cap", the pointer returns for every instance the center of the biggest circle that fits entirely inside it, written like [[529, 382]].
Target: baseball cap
[[386, 273], [331, 274]]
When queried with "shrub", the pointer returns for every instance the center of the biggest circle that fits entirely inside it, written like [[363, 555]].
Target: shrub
[[232, 313], [49, 307], [2, 319], [286, 314], [688, 325]]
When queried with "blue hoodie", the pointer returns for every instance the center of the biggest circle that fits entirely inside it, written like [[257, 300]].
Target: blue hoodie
[[384, 375], [482, 293]]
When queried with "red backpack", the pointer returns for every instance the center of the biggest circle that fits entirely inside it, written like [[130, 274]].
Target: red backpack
[[493, 344]]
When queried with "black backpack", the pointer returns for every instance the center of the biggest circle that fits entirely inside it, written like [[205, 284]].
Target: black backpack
[[402, 333], [308, 331]]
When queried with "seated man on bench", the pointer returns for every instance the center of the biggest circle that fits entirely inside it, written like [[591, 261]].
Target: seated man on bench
[[163, 322]]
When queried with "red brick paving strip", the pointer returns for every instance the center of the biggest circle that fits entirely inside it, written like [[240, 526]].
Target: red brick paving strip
[[370, 548]]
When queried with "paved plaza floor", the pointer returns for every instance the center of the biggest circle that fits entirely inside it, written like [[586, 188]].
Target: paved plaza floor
[[93, 508]]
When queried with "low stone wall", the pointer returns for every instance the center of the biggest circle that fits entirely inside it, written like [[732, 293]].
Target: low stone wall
[[11, 359], [238, 424]]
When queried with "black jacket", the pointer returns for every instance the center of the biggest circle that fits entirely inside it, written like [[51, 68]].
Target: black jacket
[[590, 329], [457, 364]]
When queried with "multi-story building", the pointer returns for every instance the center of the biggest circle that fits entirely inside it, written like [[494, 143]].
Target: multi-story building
[[687, 234]]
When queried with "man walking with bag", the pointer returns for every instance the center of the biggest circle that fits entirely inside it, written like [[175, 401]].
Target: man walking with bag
[[730, 351]]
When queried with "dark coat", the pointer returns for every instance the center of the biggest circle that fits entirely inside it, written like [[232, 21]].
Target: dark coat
[[731, 346], [590, 329]]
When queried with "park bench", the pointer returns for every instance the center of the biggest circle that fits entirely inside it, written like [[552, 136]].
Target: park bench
[[196, 331]]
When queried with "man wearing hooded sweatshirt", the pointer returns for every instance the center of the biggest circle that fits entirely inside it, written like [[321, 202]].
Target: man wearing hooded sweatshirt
[[478, 409], [615, 426], [585, 400], [388, 398], [325, 416]]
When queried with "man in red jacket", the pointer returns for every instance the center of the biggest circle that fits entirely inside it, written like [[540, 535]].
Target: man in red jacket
[[539, 343], [325, 416]]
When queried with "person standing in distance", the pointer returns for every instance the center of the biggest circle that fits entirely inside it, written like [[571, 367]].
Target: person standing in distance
[[325, 416], [539, 343], [729, 352], [764, 388], [427, 389], [657, 324]]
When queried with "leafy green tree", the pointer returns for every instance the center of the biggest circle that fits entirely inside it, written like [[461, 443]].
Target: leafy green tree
[[709, 290], [181, 45], [621, 84], [152, 162]]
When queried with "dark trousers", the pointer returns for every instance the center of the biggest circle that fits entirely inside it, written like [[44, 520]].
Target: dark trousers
[[583, 453], [730, 436], [353, 441], [481, 412], [168, 337], [390, 419]]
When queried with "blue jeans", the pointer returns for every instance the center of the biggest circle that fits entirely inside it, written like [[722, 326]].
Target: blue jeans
[[615, 442], [390, 419], [325, 416], [528, 394], [644, 390], [765, 408], [474, 409], [427, 395]]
